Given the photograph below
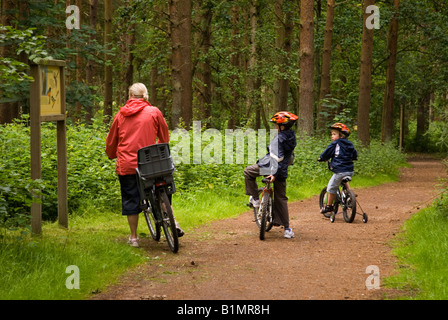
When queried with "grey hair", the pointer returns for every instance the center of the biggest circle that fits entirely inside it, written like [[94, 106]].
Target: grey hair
[[138, 90]]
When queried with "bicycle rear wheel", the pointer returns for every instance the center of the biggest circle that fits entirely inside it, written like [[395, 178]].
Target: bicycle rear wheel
[[266, 206], [151, 221], [349, 206], [168, 224]]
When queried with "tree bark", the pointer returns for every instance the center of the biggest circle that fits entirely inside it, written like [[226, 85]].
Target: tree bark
[[365, 79], [8, 110], [108, 11], [204, 72], [387, 122], [235, 61], [284, 27], [90, 66], [306, 54], [326, 59], [180, 21]]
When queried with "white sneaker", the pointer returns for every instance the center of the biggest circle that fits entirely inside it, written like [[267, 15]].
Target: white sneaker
[[255, 203], [133, 242], [288, 233]]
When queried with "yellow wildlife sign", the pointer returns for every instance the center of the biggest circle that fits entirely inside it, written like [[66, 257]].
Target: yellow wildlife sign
[[47, 103], [50, 90]]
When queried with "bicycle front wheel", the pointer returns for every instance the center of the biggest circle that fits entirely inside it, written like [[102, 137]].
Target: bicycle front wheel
[[349, 206], [151, 221], [266, 206], [168, 224], [257, 211], [323, 200]]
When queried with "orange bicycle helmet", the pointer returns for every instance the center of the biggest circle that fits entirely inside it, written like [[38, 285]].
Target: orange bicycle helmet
[[341, 128], [284, 118]]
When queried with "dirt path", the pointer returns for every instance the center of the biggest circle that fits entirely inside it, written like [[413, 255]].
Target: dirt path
[[225, 260]]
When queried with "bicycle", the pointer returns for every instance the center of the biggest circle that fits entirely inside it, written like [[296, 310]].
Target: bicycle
[[263, 214], [344, 197], [155, 181]]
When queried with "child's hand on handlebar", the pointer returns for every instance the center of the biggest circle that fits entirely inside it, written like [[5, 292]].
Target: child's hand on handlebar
[[271, 178]]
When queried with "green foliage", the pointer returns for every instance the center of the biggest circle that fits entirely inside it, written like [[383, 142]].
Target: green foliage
[[90, 174], [16, 185], [434, 140], [12, 71]]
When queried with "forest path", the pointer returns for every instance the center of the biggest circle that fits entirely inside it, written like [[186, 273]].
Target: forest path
[[225, 260]]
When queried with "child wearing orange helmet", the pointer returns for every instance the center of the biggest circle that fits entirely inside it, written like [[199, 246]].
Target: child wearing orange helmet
[[342, 154], [274, 165]]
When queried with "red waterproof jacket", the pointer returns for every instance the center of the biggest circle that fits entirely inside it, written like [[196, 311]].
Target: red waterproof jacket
[[136, 125]]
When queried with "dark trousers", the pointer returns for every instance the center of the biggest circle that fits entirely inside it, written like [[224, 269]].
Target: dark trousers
[[281, 213], [130, 195]]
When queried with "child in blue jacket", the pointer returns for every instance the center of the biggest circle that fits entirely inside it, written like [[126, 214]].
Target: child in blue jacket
[[342, 154]]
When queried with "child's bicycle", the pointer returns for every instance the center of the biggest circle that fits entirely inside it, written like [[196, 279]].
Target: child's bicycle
[[155, 183], [263, 214], [346, 198]]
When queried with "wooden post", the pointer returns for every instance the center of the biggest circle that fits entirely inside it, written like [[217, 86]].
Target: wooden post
[[36, 206], [47, 103], [62, 160]]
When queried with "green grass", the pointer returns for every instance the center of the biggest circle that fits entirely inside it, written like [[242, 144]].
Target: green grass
[[33, 268], [422, 251]]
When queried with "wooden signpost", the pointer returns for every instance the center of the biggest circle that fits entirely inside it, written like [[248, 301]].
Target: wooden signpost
[[47, 103]]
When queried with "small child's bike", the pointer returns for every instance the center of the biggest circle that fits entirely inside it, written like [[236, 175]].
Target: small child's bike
[[345, 198]]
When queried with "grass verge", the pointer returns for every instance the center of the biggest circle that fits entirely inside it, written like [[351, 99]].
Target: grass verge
[[34, 268], [421, 249]]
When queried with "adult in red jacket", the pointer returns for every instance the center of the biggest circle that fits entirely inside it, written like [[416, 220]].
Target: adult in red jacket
[[136, 125]]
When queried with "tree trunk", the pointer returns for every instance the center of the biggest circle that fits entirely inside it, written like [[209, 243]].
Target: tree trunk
[[422, 115], [326, 59], [79, 65], [90, 67], [108, 11], [387, 122], [204, 73], [235, 61], [284, 27], [306, 54], [8, 110], [180, 20], [130, 42], [252, 102], [365, 79]]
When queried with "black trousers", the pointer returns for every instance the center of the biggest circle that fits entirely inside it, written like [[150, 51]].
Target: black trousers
[[130, 195]]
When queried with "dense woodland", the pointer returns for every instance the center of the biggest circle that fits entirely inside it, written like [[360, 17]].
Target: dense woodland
[[232, 64]]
